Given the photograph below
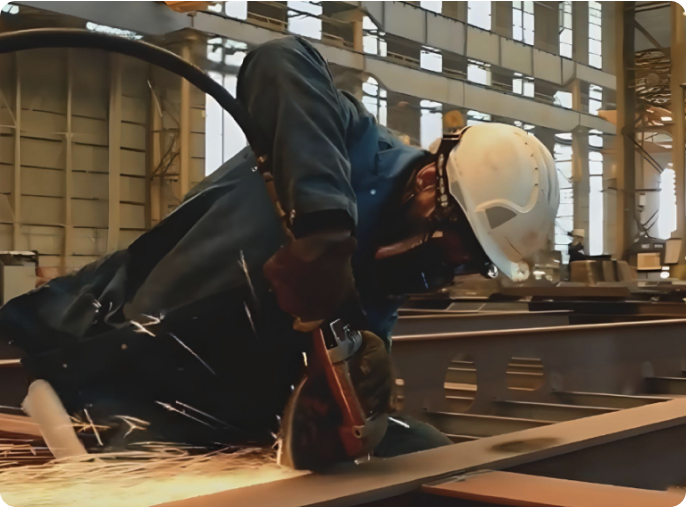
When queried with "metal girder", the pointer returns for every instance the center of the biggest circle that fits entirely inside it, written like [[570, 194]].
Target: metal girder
[[385, 478], [600, 358], [409, 324]]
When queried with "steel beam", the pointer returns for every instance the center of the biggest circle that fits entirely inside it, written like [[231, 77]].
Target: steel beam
[[386, 478], [410, 324], [599, 358]]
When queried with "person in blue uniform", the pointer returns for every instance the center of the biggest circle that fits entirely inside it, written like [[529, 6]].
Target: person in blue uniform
[[191, 328]]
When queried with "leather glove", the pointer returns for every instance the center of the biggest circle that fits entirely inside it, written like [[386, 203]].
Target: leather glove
[[372, 375], [312, 276]]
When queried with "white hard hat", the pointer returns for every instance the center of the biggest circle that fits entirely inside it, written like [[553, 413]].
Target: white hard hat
[[505, 181]]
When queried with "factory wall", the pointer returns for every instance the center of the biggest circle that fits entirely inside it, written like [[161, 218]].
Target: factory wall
[[74, 154]]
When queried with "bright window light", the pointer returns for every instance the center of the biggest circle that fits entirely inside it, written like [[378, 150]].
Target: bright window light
[[223, 137], [127, 34], [475, 118], [236, 10], [563, 99], [479, 14], [566, 29], [523, 22], [479, 72], [373, 42], [431, 59], [564, 221], [431, 122], [10, 9], [375, 99], [303, 20], [595, 99], [523, 85], [666, 221], [436, 7], [595, 35], [595, 209]]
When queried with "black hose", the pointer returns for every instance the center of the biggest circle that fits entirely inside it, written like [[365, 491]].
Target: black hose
[[78, 38]]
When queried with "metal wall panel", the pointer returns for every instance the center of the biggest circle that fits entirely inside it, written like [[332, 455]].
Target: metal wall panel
[[198, 120], [44, 239], [483, 45], [42, 182], [405, 21], [516, 56], [134, 110], [90, 131], [90, 158], [5, 236], [132, 216], [45, 125], [6, 178], [42, 153], [88, 241], [445, 33], [90, 185], [89, 213], [42, 210], [6, 119], [90, 84], [547, 67], [133, 189], [7, 149], [133, 163], [198, 145], [44, 80], [133, 136]]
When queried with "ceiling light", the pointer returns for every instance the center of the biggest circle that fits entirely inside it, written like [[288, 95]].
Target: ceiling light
[[666, 118]]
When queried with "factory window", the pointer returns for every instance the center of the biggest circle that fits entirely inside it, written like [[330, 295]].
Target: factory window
[[375, 99], [564, 99], [373, 42], [595, 242], [523, 22], [475, 118], [564, 221], [236, 10], [14, 9], [431, 59], [595, 35], [303, 19], [666, 222], [223, 137], [479, 14], [595, 99], [431, 122], [436, 7], [523, 85], [566, 30], [479, 72]]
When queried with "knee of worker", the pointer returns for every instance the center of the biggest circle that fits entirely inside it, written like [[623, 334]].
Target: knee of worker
[[267, 65], [406, 435]]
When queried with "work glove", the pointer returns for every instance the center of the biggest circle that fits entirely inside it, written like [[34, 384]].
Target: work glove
[[371, 374], [312, 277]]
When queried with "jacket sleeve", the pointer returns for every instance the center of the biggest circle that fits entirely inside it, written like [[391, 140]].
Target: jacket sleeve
[[288, 90]]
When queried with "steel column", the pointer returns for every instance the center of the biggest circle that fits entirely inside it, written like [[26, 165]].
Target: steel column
[[678, 59], [114, 153]]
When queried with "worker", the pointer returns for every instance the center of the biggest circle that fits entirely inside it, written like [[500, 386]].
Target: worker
[[576, 247], [188, 335]]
